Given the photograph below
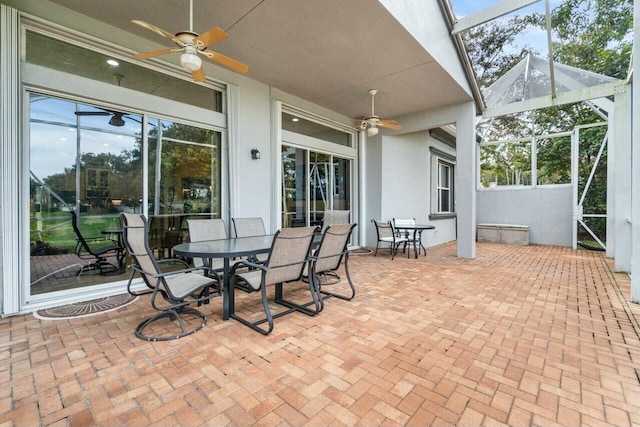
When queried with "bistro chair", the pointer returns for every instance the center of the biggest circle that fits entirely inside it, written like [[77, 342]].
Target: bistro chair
[[96, 249], [413, 238], [328, 257], [285, 262], [178, 288], [387, 235]]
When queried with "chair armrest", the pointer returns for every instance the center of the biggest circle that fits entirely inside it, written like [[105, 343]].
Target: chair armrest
[[169, 273], [247, 263]]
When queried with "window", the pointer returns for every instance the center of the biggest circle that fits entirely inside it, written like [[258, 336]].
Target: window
[[445, 190], [442, 184]]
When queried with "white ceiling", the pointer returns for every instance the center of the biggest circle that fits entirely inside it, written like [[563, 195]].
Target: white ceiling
[[329, 52]]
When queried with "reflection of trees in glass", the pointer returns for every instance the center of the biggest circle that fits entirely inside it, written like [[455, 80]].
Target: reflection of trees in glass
[[189, 163]]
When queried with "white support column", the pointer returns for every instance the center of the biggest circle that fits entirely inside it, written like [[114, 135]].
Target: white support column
[[620, 184], [362, 188], [11, 246], [465, 181], [635, 166]]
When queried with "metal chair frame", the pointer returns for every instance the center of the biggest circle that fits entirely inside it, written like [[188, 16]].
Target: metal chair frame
[[286, 260], [179, 289]]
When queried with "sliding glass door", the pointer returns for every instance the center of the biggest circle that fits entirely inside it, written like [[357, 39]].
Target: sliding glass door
[[90, 160], [317, 169], [312, 183]]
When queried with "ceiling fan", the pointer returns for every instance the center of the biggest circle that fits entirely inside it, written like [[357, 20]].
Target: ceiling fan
[[192, 45], [373, 122], [117, 117]]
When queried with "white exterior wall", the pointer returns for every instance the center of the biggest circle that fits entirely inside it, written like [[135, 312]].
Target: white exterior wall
[[530, 207]]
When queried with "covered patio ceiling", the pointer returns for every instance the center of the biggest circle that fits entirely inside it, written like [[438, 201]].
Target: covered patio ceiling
[[328, 52]]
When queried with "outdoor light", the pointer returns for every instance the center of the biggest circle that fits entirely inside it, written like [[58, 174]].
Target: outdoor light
[[190, 61], [113, 62], [372, 131], [255, 154]]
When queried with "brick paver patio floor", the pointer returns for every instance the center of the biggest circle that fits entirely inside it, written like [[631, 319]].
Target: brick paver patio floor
[[520, 336]]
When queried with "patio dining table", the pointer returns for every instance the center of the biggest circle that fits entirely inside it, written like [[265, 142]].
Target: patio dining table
[[417, 235], [226, 249]]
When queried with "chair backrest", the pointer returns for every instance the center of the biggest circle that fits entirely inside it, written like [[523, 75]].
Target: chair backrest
[[403, 222], [136, 240], [384, 229], [249, 227], [206, 229], [332, 217], [289, 251], [333, 247]]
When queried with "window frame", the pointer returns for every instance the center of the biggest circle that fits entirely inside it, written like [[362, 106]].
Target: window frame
[[440, 158]]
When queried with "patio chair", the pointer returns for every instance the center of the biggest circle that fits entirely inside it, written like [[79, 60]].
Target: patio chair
[[334, 217], [208, 229], [96, 249], [285, 262], [250, 227], [387, 234], [413, 238], [329, 218], [328, 257], [179, 288]]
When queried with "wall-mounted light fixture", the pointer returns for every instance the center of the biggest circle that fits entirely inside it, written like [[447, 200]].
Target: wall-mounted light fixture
[[255, 154]]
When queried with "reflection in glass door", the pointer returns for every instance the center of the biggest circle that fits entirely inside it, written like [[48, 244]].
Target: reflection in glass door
[[90, 160], [83, 159]]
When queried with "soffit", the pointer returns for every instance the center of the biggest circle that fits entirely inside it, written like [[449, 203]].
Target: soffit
[[329, 52]]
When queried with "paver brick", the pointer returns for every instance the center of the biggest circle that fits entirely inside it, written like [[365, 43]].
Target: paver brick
[[521, 335]]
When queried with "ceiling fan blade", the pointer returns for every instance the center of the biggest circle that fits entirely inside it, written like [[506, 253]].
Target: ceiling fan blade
[[158, 30], [152, 53], [209, 37], [92, 113], [389, 124], [226, 61], [198, 75]]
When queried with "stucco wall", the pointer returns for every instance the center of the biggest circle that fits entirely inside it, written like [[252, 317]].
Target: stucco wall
[[399, 171], [547, 211]]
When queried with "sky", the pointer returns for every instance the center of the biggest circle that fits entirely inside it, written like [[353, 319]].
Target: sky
[[536, 38]]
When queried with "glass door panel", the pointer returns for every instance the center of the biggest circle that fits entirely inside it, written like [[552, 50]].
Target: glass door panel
[[294, 187], [319, 186], [184, 181], [341, 184], [83, 159]]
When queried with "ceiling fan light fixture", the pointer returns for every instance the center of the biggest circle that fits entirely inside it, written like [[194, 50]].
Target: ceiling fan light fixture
[[116, 120], [372, 131], [190, 61]]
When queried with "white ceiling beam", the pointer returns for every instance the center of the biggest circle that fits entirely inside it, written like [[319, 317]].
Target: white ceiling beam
[[562, 98], [492, 12]]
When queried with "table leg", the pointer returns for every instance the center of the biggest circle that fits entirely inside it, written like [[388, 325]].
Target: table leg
[[415, 246], [228, 292]]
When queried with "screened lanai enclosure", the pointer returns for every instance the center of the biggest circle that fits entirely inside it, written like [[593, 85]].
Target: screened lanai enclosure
[[550, 175], [555, 138]]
